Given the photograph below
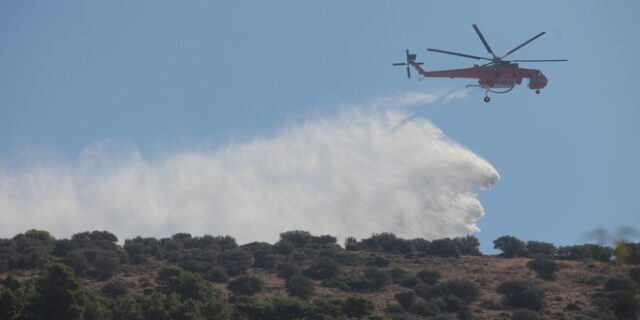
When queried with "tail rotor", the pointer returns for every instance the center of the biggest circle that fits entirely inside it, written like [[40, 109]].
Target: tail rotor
[[410, 60]]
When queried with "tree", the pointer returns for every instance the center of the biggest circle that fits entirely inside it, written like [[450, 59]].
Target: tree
[[544, 268], [444, 248], [127, 308], [541, 248], [58, 295], [322, 268], [245, 285], [298, 238], [510, 246], [186, 284], [299, 286], [9, 304], [236, 261]]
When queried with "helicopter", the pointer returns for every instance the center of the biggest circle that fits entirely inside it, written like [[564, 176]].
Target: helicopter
[[496, 76]]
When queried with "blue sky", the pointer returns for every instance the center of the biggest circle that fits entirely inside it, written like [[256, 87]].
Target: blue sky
[[165, 74]]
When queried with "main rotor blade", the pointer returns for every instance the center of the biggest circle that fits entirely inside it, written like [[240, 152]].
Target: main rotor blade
[[484, 41], [399, 64], [548, 60], [458, 54], [524, 44]]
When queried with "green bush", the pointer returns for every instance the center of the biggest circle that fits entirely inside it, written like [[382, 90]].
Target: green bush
[[524, 314], [403, 277], [541, 248], [522, 294], [357, 307], [287, 269], [322, 268], [406, 299], [299, 286], [468, 291], [351, 243], [186, 284], [377, 279], [544, 268], [245, 285], [468, 246], [510, 246], [216, 275], [426, 308], [585, 252], [57, 295], [444, 248], [618, 283], [634, 273], [236, 261], [428, 276], [114, 289], [298, 238]]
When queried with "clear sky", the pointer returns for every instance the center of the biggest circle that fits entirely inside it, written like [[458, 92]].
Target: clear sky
[[167, 74]]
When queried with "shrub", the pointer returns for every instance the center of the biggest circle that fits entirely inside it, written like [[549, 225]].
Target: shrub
[[541, 248], [236, 261], [585, 252], [426, 309], [379, 261], [322, 268], [298, 238], [444, 248], [406, 299], [186, 284], [216, 275], [11, 283], [510, 246], [299, 286], [385, 241], [627, 252], [618, 283], [114, 289], [403, 277], [245, 285], [524, 314], [634, 273], [264, 259], [287, 269], [429, 276], [58, 295], [544, 268], [376, 278], [324, 239], [466, 290], [283, 247], [351, 243], [426, 292], [468, 246], [522, 294], [357, 307]]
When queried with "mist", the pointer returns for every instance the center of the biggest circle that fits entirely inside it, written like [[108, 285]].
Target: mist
[[371, 168]]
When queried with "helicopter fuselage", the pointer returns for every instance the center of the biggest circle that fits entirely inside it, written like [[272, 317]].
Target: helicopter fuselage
[[505, 75]]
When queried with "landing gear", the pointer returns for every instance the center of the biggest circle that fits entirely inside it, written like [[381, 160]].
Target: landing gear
[[537, 91], [487, 99]]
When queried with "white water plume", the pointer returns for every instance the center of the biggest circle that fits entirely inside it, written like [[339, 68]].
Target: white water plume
[[351, 174]]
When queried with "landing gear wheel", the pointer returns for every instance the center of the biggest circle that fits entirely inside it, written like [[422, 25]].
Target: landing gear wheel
[[487, 99], [537, 91]]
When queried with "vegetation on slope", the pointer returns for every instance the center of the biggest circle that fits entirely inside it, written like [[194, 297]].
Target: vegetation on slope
[[302, 276]]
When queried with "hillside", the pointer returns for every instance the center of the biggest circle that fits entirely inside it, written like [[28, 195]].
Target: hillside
[[305, 276]]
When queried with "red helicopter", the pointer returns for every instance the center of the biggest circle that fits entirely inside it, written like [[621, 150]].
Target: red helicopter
[[496, 74]]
